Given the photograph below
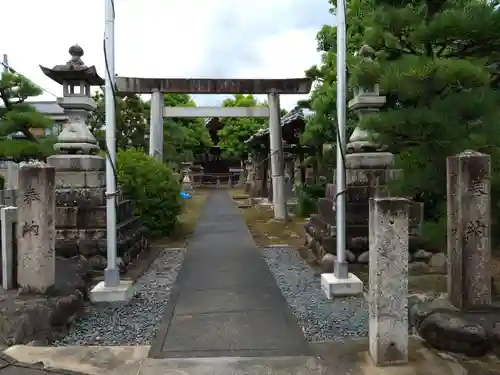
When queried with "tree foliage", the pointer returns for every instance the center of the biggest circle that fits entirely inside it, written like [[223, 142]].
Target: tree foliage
[[437, 62], [235, 131], [183, 138], [132, 117], [18, 116], [186, 137]]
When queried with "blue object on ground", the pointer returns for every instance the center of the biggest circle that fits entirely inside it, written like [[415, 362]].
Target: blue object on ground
[[185, 195]]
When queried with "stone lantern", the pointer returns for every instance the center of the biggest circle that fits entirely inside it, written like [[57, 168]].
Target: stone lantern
[[76, 79], [81, 196], [366, 101]]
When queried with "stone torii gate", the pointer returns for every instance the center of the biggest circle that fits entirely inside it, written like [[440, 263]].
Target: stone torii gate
[[271, 87]]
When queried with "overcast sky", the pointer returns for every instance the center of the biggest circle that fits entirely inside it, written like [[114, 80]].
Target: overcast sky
[[168, 38]]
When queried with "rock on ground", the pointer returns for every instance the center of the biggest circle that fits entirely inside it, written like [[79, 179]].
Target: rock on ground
[[321, 319], [136, 322], [28, 317]]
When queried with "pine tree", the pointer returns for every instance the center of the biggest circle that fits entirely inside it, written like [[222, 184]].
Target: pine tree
[[437, 63], [18, 116]]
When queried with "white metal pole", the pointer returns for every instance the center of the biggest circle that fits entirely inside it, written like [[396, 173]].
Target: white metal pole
[[5, 63], [111, 274], [12, 167], [341, 268]]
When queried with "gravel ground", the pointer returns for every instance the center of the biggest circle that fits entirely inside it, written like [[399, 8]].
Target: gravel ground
[[136, 322], [320, 318]]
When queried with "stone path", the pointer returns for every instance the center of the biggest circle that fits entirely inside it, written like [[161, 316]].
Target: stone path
[[9, 366], [226, 302]]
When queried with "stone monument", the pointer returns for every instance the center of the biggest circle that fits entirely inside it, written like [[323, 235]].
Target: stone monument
[[81, 180], [35, 233], [368, 170], [469, 229]]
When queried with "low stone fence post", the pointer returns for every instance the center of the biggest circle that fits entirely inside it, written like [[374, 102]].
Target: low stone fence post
[[469, 232], [8, 230], [36, 228], [388, 304]]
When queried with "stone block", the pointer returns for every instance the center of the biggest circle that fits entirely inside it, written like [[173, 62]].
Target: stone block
[[36, 227], [8, 197], [370, 160], [88, 242], [77, 162], [80, 179], [82, 196], [121, 293], [8, 222], [469, 229], [388, 289], [371, 177], [86, 217], [333, 286]]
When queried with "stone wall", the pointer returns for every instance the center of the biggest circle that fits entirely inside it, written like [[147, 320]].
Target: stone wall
[[81, 214]]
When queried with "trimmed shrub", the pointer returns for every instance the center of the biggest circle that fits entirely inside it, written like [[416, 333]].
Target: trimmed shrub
[[307, 197], [153, 189]]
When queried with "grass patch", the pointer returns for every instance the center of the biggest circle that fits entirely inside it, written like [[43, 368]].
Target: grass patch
[[187, 221], [266, 231], [238, 194]]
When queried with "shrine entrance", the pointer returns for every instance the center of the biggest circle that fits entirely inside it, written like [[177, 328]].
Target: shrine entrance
[[273, 88]]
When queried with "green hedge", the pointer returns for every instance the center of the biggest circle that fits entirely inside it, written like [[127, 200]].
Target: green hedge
[[152, 187]]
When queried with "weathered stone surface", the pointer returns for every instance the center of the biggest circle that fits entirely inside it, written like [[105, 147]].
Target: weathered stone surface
[[388, 281], [77, 162], [364, 258], [327, 263], [371, 177], [80, 179], [35, 233], [469, 226], [449, 331], [438, 262], [422, 255], [370, 160], [82, 197], [35, 317], [85, 217]]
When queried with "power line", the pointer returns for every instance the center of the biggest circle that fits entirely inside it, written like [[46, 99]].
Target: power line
[[12, 70]]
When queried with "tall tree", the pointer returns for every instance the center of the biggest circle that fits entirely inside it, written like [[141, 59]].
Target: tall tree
[[132, 118], [438, 63], [235, 131], [184, 138], [18, 116]]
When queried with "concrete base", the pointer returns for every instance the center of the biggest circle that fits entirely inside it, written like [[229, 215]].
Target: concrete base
[[332, 286], [121, 293]]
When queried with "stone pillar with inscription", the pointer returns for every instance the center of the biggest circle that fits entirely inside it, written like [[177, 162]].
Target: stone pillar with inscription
[[388, 292], [469, 229], [36, 228]]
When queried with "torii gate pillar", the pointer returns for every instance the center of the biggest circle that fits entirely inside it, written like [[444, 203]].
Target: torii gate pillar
[[277, 157], [156, 125]]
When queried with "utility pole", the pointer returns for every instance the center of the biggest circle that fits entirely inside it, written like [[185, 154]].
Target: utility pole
[[341, 266], [5, 63], [111, 274]]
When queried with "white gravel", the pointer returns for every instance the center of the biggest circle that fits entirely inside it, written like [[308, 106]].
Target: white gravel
[[136, 322], [320, 318]]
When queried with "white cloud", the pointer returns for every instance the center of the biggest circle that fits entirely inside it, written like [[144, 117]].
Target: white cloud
[[168, 38]]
